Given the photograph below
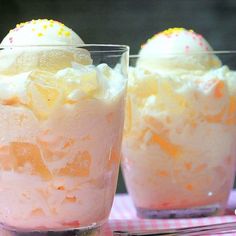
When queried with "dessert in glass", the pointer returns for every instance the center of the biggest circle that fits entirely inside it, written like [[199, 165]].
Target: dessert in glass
[[179, 144], [61, 105]]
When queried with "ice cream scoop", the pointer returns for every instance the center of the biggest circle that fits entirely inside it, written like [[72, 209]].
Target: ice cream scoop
[[177, 48], [41, 32], [41, 44]]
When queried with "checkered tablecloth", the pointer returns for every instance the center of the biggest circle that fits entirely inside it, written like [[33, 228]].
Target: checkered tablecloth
[[123, 217]]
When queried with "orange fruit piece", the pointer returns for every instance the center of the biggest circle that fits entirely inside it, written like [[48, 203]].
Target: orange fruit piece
[[216, 118], [218, 92], [188, 165], [171, 149], [231, 114], [162, 173], [23, 153], [43, 94], [5, 160], [189, 187], [79, 167]]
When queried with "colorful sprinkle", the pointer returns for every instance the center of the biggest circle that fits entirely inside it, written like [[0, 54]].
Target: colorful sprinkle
[[67, 34], [172, 31], [41, 27], [187, 48]]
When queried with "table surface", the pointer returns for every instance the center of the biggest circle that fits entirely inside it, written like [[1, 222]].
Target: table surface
[[123, 217]]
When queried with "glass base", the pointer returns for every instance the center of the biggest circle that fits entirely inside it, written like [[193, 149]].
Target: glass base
[[86, 231], [204, 211]]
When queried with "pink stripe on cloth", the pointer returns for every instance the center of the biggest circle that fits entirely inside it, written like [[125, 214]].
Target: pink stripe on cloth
[[123, 217]]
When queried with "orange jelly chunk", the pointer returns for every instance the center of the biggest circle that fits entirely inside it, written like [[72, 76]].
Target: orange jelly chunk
[[231, 115], [170, 148], [79, 167], [43, 93], [218, 92], [26, 153]]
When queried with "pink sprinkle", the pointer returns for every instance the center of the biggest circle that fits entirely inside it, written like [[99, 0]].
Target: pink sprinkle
[[186, 48], [199, 36], [194, 38], [201, 44]]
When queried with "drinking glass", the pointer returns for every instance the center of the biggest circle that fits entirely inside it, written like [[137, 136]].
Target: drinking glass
[[61, 123], [179, 144]]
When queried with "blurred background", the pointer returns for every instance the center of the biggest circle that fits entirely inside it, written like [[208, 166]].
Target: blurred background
[[129, 22]]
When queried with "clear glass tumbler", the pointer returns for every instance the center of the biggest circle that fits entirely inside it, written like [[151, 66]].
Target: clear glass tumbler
[[61, 123], [179, 144]]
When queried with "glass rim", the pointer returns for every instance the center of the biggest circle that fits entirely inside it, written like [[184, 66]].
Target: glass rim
[[114, 47], [214, 52]]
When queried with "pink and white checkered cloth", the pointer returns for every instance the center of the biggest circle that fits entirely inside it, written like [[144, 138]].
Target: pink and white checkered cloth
[[123, 217]]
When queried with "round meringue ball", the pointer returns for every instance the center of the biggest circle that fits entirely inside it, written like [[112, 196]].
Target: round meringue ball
[[46, 45], [177, 49], [41, 32]]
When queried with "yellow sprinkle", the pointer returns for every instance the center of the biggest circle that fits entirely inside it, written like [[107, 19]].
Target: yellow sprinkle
[[45, 27], [39, 34], [167, 32], [62, 29], [59, 33], [172, 31], [67, 34], [51, 24], [18, 25], [51, 21]]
